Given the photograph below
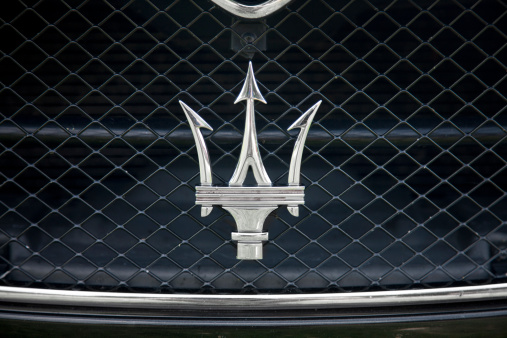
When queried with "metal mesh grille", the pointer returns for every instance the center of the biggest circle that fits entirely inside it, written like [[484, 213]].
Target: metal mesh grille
[[405, 165]]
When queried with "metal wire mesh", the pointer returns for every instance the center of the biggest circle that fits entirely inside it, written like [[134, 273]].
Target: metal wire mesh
[[405, 165]]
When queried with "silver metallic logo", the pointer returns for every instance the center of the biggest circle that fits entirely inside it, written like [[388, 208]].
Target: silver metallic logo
[[251, 11], [249, 205]]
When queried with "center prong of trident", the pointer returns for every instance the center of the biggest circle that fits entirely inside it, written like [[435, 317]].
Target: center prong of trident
[[249, 205]]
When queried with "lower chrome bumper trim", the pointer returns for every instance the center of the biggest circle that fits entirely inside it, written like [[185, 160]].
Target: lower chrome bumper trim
[[252, 302]]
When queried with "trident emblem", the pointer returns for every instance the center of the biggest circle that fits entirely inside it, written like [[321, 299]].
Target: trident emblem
[[249, 205]]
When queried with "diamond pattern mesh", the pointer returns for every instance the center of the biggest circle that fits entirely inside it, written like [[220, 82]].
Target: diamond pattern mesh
[[405, 165]]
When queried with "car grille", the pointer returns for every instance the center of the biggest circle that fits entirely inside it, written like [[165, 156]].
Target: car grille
[[404, 167]]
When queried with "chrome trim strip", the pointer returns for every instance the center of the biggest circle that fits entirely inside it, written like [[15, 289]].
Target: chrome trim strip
[[251, 302], [251, 12]]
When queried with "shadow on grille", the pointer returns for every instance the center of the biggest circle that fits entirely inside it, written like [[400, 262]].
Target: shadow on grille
[[405, 166]]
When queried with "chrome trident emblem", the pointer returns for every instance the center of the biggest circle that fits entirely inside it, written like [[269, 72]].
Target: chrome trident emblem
[[249, 205]]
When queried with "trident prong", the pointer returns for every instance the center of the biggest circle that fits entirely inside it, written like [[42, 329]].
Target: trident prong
[[250, 155], [303, 122], [196, 122]]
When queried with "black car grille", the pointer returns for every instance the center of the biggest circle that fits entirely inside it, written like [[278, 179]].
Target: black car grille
[[405, 164]]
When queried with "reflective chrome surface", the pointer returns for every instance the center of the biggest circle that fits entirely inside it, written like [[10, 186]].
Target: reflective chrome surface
[[304, 122], [251, 12], [250, 206], [252, 302], [249, 196], [196, 122], [250, 155]]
